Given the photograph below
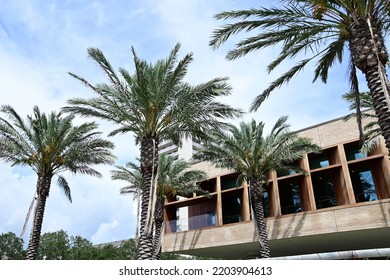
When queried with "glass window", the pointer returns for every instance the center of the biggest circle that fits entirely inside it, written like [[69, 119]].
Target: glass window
[[318, 161], [324, 190], [290, 200], [229, 182], [231, 208], [352, 151], [267, 211], [363, 184]]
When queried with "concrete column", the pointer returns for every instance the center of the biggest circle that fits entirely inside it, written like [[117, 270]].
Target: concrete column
[[344, 188], [246, 212], [219, 202], [308, 200]]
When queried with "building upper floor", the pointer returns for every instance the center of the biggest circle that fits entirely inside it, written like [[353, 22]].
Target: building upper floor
[[340, 177]]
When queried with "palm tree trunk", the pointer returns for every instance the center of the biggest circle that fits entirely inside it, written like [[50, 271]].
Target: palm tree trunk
[[149, 159], [43, 188], [138, 218], [355, 90], [380, 100], [370, 56], [257, 193], [159, 225]]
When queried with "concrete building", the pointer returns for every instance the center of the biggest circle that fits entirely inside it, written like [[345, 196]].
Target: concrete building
[[341, 204]]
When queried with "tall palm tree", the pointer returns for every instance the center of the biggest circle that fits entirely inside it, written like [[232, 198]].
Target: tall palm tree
[[50, 144], [321, 30], [131, 174], [253, 155], [174, 177], [155, 104]]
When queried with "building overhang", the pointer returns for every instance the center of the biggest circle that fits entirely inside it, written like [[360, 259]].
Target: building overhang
[[348, 227]]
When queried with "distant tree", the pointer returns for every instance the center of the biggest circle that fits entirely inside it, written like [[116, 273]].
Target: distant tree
[[81, 249], [54, 246], [125, 251], [11, 247], [50, 144]]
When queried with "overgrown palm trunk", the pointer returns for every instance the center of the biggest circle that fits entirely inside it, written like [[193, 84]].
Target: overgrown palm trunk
[[159, 226], [370, 56], [43, 188], [149, 159], [257, 193]]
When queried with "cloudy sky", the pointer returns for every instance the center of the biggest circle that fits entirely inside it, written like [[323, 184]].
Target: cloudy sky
[[42, 40]]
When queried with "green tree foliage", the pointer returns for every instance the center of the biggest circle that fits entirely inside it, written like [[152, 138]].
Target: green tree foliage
[[54, 246], [11, 247], [60, 246], [371, 129]]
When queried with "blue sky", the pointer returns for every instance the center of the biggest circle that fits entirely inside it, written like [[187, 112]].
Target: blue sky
[[40, 41]]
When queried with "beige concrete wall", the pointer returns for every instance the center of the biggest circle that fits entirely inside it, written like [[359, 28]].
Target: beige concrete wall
[[332, 133], [210, 169], [362, 216]]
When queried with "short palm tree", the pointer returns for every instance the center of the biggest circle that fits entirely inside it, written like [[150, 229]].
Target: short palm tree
[[253, 155], [155, 104], [174, 178], [50, 144], [131, 174], [371, 130], [320, 30]]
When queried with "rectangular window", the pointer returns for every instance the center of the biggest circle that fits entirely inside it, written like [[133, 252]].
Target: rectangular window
[[267, 211], [352, 151], [318, 161], [324, 190], [290, 200], [363, 184], [231, 207], [229, 182]]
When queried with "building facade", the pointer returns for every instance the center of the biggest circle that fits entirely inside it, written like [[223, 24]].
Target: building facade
[[341, 203]]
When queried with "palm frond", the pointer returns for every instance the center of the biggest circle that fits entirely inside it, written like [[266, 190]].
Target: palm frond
[[61, 181]]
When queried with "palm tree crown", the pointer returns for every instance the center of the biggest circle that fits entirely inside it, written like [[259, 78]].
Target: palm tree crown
[[372, 133], [174, 178], [50, 144], [130, 174], [252, 154], [321, 31], [155, 101], [322, 28]]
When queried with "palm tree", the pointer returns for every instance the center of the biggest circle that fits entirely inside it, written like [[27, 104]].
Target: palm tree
[[174, 177], [50, 144], [155, 104], [372, 131], [253, 155], [131, 174], [321, 30]]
